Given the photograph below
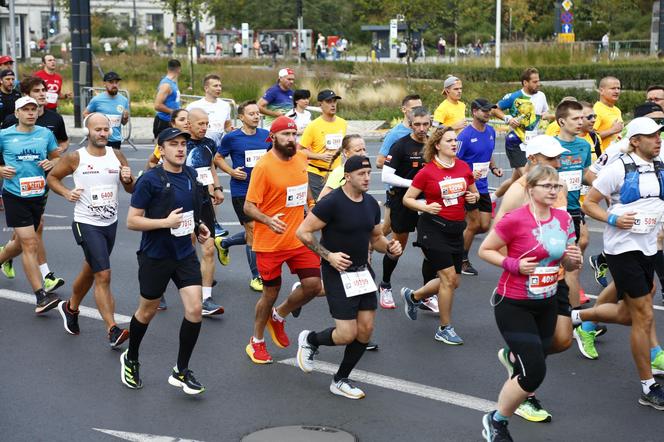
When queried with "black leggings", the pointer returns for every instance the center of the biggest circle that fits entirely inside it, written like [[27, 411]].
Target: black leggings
[[527, 327]]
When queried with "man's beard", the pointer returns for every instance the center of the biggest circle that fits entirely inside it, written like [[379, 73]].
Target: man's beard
[[287, 149]]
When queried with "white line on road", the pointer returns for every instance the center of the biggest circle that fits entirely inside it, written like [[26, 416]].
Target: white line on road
[[656, 307], [142, 437], [402, 386], [10, 229], [84, 311], [48, 215]]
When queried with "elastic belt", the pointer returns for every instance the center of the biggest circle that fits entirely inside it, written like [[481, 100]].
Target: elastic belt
[[319, 168]]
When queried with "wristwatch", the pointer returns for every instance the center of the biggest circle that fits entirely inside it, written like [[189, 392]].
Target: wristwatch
[[219, 188]]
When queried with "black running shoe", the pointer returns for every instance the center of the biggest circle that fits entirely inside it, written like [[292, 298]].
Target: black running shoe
[[654, 399], [69, 318], [600, 330], [45, 301], [495, 431], [116, 336], [296, 312], [372, 346], [468, 269], [186, 380], [129, 372]]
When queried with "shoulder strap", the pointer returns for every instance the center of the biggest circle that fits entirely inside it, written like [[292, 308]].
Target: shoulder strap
[[597, 146], [629, 166]]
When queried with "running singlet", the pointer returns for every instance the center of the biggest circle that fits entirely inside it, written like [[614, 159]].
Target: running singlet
[[112, 107], [322, 136], [446, 187], [524, 238], [172, 100], [475, 148], [572, 164], [99, 178], [245, 151], [527, 109]]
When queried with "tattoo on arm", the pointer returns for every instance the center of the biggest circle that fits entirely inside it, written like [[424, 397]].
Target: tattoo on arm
[[312, 243]]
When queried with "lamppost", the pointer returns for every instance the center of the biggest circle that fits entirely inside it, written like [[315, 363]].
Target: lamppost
[[499, 14]]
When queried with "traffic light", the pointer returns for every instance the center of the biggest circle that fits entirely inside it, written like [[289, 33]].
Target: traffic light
[[298, 8]]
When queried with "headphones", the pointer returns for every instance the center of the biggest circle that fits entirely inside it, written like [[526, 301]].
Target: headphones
[[86, 131]]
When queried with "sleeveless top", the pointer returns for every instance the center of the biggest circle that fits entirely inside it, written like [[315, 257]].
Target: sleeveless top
[[99, 178], [172, 101]]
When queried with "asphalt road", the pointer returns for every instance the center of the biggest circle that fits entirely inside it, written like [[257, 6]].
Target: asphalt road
[[58, 387]]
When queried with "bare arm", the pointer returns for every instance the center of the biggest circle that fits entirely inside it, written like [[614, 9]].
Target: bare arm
[[410, 200], [126, 178], [136, 220], [65, 167], [163, 92], [380, 160], [274, 223], [383, 245]]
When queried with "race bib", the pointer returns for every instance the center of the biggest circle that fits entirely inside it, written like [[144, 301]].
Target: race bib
[[483, 168], [451, 190], [543, 280], [572, 178], [114, 120], [51, 97], [358, 283], [216, 126], [186, 226], [584, 189], [101, 196], [251, 157], [204, 176], [296, 195], [32, 185], [333, 141], [528, 135], [645, 222]]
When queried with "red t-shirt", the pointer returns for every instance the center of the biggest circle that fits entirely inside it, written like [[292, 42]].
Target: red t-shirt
[[446, 187], [53, 87]]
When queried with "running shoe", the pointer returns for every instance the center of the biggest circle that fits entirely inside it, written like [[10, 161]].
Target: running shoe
[[586, 342], [600, 269], [430, 304], [8, 267], [600, 329], [386, 298], [211, 308], [116, 336], [223, 255], [531, 410], [654, 399], [346, 388], [504, 358], [220, 231], [185, 379], [277, 331], [372, 346], [468, 269], [657, 364], [52, 282], [410, 306], [162, 304], [448, 335], [305, 352], [46, 301], [256, 284], [583, 299], [129, 374], [297, 311], [69, 318], [495, 431], [257, 352]]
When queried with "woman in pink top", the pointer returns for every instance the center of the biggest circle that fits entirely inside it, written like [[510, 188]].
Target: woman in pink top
[[538, 239]]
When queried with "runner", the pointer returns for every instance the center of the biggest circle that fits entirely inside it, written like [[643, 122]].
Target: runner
[[451, 111], [165, 207], [349, 219], [475, 147], [401, 165], [300, 114], [8, 95], [351, 145], [112, 104], [245, 146], [278, 99], [322, 139], [168, 97], [608, 123], [655, 94], [447, 183], [538, 238], [53, 81], [97, 170], [276, 201], [179, 120], [218, 110], [29, 152]]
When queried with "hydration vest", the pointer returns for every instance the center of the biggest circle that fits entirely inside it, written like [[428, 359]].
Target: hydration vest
[[631, 189]]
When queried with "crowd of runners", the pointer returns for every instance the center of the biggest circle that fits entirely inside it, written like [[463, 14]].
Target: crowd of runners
[[299, 187]]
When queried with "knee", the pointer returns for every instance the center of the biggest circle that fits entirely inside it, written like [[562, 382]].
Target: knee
[[193, 311], [29, 245], [561, 342], [449, 281], [345, 337], [535, 372], [364, 332], [103, 277], [312, 287]]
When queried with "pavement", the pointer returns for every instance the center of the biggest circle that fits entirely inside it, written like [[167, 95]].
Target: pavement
[[59, 387]]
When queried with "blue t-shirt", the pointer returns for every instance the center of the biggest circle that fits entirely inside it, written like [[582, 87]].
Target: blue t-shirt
[[200, 152], [112, 107], [572, 165], [23, 151], [160, 243], [278, 99], [172, 100], [397, 132], [240, 147], [477, 147]]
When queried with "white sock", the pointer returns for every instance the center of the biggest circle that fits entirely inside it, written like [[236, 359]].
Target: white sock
[[256, 340], [646, 384], [576, 317], [207, 293], [276, 316], [43, 268]]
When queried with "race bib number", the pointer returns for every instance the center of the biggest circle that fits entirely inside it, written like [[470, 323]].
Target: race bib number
[[101, 196], [451, 190], [296, 195], [572, 178], [645, 222], [333, 141], [186, 226], [33, 185], [51, 97], [114, 120], [251, 157], [358, 283], [543, 280], [483, 168], [204, 176], [216, 126]]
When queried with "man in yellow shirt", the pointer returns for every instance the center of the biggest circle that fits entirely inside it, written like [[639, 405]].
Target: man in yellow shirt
[[322, 139], [609, 118], [452, 111]]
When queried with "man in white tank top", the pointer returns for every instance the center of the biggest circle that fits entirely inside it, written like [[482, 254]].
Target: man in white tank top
[[97, 170]]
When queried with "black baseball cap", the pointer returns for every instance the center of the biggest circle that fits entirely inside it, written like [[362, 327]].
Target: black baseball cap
[[169, 134], [6, 72], [482, 103], [111, 76], [356, 162], [327, 94], [646, 108]]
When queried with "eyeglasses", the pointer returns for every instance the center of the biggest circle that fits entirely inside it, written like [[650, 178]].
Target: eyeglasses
[[659, 121], [549, 187], [591, 117]]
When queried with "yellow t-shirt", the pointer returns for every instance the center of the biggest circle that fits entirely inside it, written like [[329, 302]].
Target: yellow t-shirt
[[322, 136], [448, 113], [553, 129], [606, 116], [156, 153], [336, 178]]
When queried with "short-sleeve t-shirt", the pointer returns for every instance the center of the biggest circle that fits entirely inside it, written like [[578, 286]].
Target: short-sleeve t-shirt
[[244, 150], [445, 186], [200, 152], [160, 243], [51, 120], [336, 178], [218, 113], [525, 239], [283, 192], [606, 116], [23, 151], [475, 148], [397, 132], [7, 103], [322, 136], [112, 107], [53, 87], [572, 164], [527, 109], [278, 100], [448, 113], [348, 224], [405, 157]]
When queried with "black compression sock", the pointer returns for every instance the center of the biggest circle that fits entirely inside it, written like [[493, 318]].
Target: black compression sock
[[136, 332], [188, 336], [352, 355], [389, 265], [321, 338]]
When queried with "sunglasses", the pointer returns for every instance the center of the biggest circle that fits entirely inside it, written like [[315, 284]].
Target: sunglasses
[[659, 121], [591, 117]]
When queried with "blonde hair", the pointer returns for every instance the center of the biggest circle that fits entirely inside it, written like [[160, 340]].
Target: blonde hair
[[429, 151], [539, 173]]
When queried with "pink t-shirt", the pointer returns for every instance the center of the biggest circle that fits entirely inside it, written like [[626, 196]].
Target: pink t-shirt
[[524, 238]]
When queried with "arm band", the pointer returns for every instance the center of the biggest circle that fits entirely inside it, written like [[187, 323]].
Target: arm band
[[511, 265], [612, 220]]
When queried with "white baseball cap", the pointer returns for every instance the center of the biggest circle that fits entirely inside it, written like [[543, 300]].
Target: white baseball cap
[[642, 126], [545, 145], [23, 101], [285, 72]]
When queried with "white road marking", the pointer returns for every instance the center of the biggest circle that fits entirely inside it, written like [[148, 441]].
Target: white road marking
[[403, 386], [48, 215], [656, 307], [84, 311], [142, 437], [11, 229]]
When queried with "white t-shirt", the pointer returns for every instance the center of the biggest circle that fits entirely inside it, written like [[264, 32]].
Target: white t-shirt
[[609, 182], [539, 101], [610, 154], [302, 120], [218, 114]]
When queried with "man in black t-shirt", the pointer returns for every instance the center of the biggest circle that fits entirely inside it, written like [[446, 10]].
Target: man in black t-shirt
[[349, 219], [8, 95]]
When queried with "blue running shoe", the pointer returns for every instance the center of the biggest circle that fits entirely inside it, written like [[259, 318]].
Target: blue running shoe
[[448, 335], [410, 306]]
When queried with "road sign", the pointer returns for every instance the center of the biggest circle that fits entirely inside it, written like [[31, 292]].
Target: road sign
[[566, 17], [567, 5], [567, 28]]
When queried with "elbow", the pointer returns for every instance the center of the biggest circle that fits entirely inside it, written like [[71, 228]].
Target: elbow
[[380, 160]]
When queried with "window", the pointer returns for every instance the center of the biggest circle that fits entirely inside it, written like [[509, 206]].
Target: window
[[154, 22], [50, 24]]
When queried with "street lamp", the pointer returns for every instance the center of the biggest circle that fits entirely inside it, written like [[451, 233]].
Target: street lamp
[[498, 24]]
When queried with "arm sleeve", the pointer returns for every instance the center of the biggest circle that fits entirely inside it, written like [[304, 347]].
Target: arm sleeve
[[571, 233], [92, 105], [389, 176], [609, 178], [269, 95], [376, 209], [387, 144], [439, 113]]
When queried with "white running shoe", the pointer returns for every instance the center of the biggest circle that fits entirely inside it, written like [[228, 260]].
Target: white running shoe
[[305, 352], [431, 303], [346, 388], [386, 298]]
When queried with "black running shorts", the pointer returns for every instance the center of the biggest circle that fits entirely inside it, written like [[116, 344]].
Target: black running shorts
[[632, 273], [342, 307], [97, 243], [23, 212], [154, 274]]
